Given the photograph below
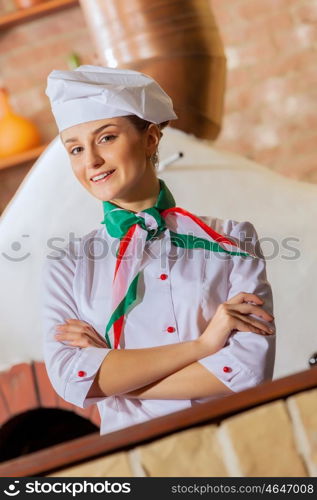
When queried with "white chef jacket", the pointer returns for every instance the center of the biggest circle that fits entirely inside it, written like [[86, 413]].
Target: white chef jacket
[[179, 291]]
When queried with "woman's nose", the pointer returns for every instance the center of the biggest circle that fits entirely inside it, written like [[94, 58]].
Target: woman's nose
[[92, 158]]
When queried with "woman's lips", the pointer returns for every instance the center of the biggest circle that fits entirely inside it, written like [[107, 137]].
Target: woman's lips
[[104, 178]]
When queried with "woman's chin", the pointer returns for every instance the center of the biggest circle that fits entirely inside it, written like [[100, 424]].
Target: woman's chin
[[102, 196]]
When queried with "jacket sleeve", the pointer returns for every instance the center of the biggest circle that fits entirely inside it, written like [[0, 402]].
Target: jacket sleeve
[[248, 357], [63, 361]]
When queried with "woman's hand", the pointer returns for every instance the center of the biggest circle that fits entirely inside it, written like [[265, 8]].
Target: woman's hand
[[233, 315], [79, 334]]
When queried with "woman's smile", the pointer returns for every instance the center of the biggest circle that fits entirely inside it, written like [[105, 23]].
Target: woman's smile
[[103, 177]]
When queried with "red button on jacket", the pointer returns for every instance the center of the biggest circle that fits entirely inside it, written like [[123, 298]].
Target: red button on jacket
[[170, 329], [226, 369], [164, 276], [81, 373]]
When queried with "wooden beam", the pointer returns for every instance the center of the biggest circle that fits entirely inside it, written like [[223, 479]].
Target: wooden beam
[[92, 446]]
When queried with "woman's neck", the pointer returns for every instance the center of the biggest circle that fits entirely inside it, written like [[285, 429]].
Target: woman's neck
[[145, 196]]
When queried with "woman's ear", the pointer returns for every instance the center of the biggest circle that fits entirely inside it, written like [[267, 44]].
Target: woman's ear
[[153, 136]]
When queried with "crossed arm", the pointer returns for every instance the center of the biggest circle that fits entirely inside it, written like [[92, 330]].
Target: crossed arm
[[165, 372]]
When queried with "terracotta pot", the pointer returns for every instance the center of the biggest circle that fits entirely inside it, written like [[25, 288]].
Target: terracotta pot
[[17, 134], [176, 42]]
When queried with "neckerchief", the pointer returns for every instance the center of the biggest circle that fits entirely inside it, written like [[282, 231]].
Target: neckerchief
[[134, 230]]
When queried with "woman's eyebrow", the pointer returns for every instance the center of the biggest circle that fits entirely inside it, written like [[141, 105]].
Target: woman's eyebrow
[[74, 139]]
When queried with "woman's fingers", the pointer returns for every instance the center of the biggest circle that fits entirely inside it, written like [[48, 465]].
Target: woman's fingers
[[79, 333], [72, 329], [245, 327], [251, 309], [78, 326], [250, 323], [80, 340], [245, 297], [74, 325], [69, 335]]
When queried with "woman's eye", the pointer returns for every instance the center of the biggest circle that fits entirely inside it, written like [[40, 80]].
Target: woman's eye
[[75, 151], [107, 137], [72, 151]]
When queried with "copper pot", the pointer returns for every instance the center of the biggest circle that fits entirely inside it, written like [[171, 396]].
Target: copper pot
[[174, 41]]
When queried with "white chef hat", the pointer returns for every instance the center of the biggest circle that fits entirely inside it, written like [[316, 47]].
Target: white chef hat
[[95, 92]]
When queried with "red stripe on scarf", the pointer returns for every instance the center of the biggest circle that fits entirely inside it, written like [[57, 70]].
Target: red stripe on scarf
[[117, 327], [216, 236], [123, 247]]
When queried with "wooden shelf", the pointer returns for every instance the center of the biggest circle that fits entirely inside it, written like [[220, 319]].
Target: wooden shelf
[[19, 159], [21, 15]]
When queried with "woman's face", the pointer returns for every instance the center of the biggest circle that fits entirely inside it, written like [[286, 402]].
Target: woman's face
[[111, 145]]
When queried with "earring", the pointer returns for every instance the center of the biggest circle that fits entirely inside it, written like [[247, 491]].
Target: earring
[[155, 159]]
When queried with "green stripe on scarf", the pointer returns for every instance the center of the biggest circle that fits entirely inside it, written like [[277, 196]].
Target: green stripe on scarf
[[190, 241], [118, 222], [123, 306]]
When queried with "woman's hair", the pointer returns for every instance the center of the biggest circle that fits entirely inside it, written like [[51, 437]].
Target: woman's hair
[[141, 125]]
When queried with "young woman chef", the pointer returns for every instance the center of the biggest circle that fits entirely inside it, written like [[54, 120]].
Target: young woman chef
[[156, 310]]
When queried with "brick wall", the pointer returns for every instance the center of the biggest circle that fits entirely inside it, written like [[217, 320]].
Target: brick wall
[[271, 88], [270, 106], [29, 51]]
